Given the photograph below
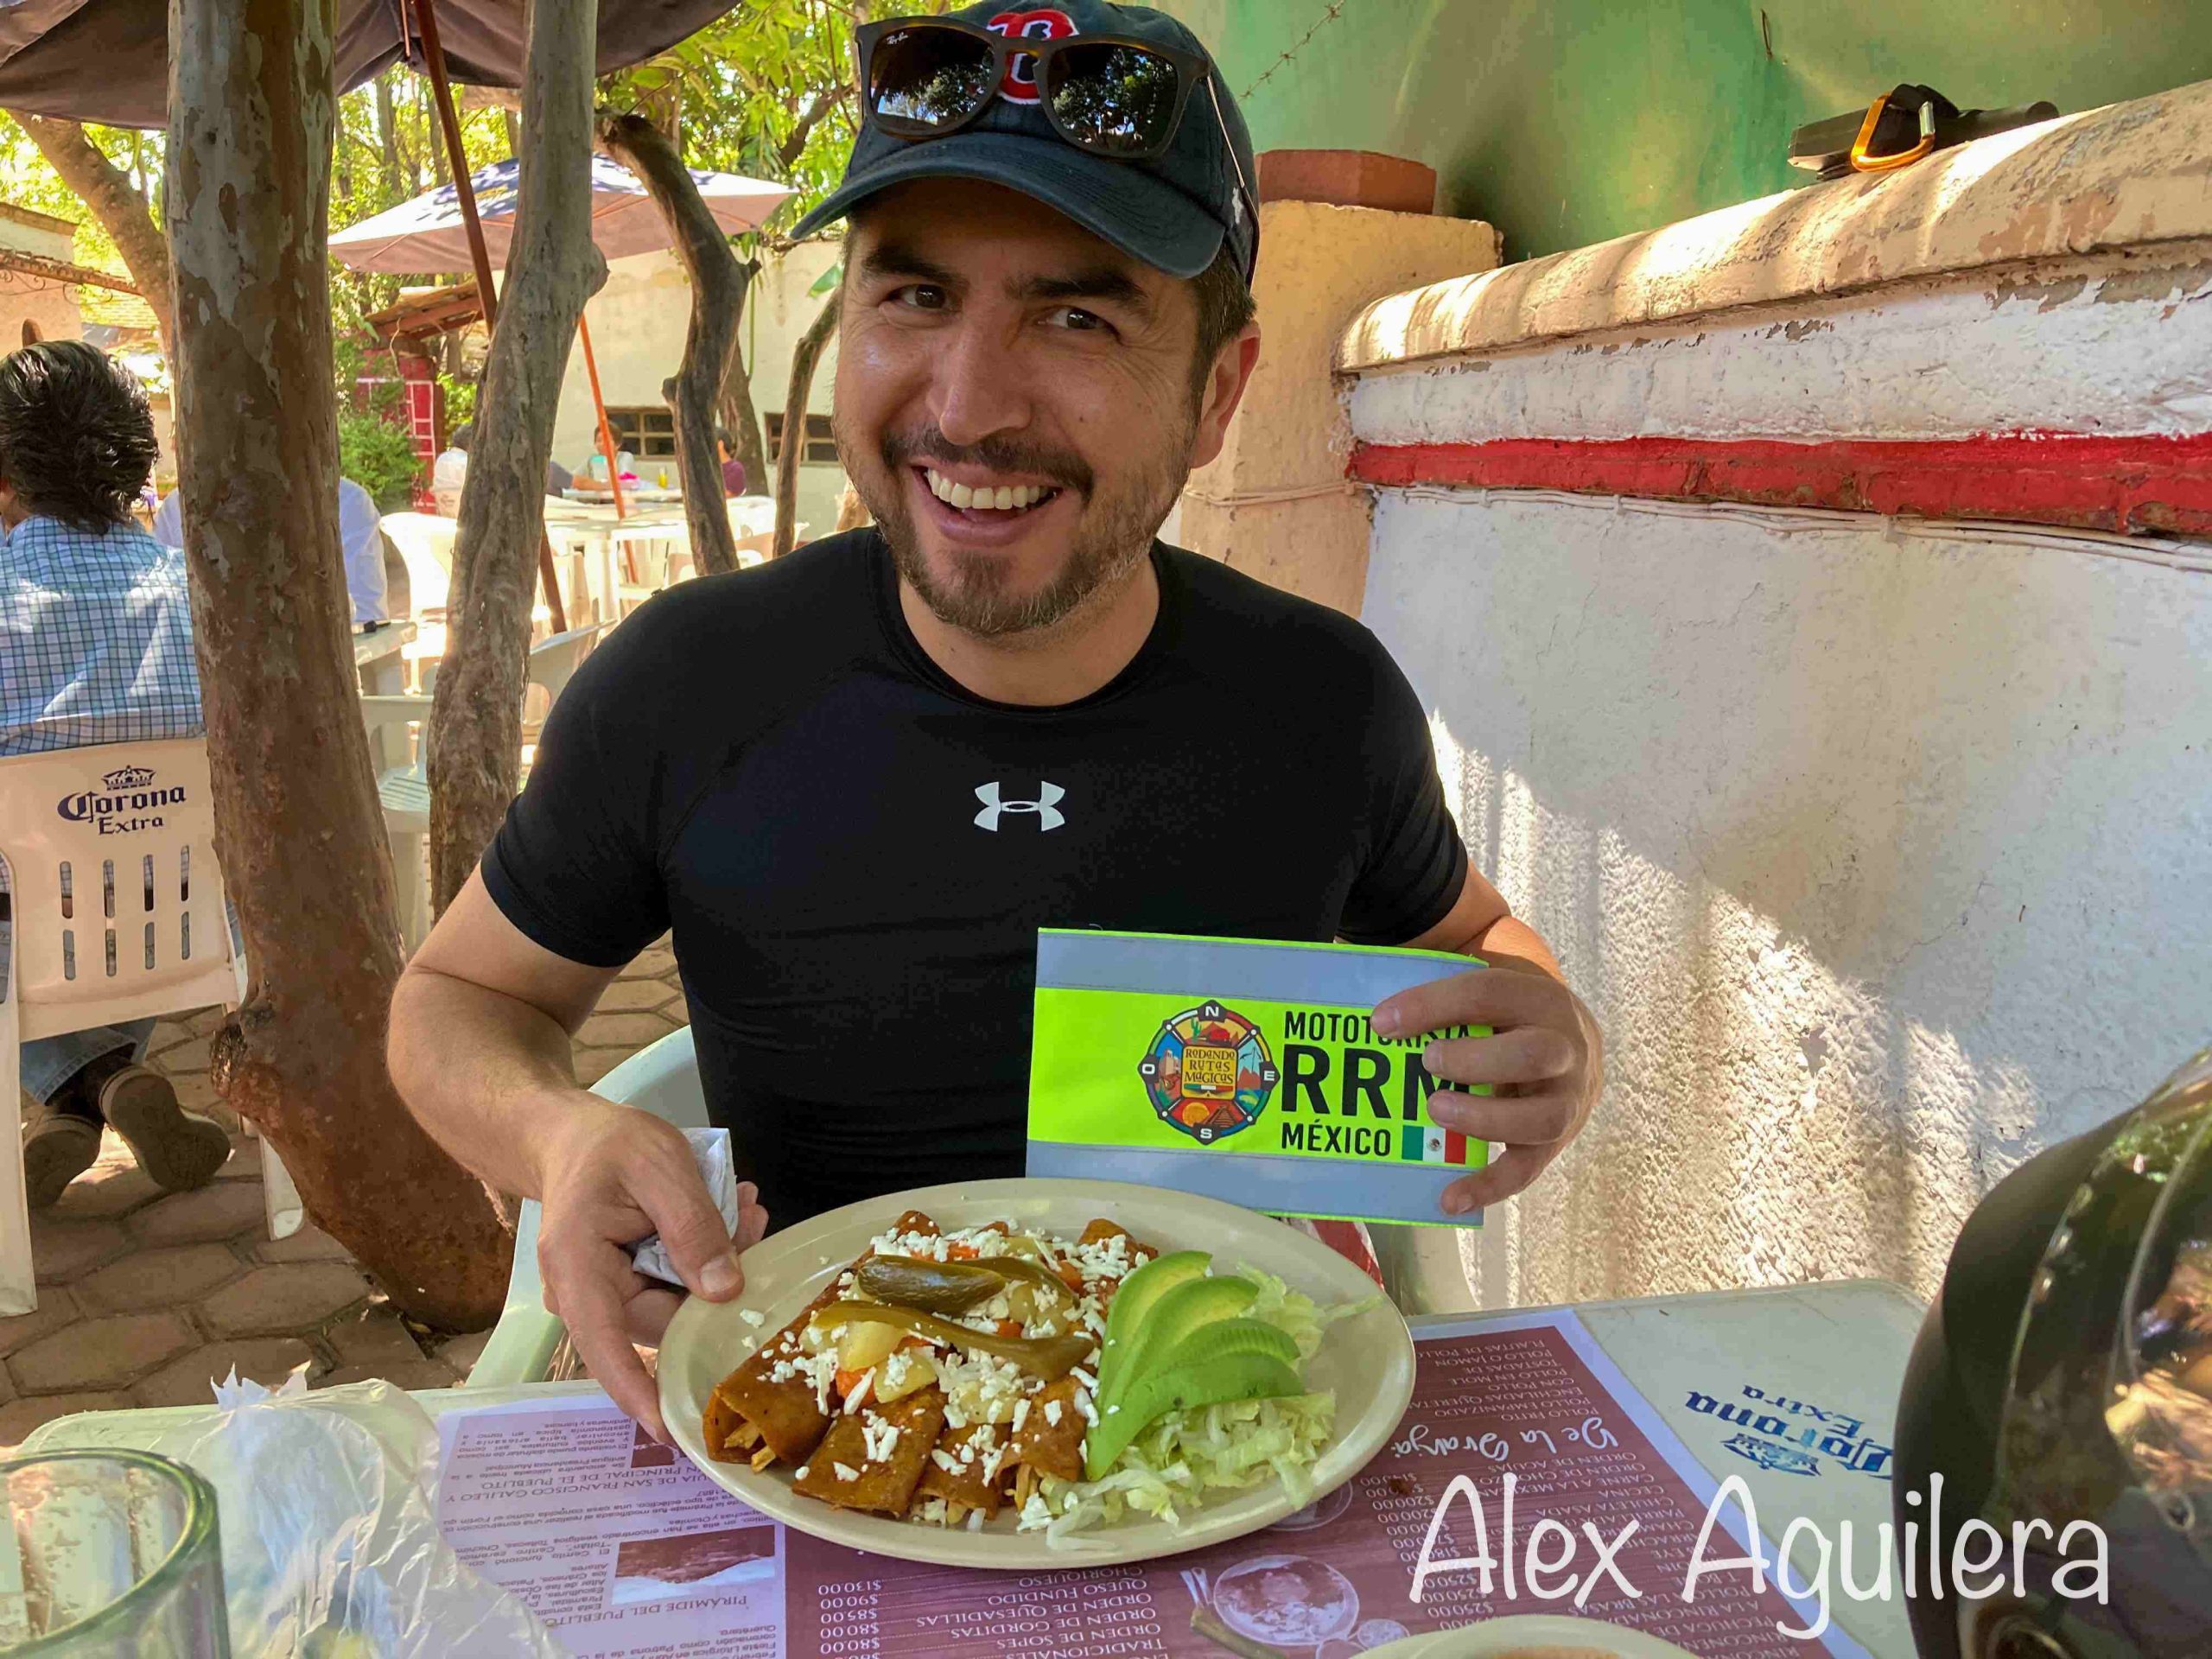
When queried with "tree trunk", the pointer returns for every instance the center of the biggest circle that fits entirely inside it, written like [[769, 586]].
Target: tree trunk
[[387, 137], [805, 356], [297, 821], [553, 267], [718, 285], [106, 189], [737, 411]]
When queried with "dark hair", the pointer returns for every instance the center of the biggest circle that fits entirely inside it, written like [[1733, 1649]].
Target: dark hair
[[1225, 306], [727, 438], [461, 435], [76, 436]]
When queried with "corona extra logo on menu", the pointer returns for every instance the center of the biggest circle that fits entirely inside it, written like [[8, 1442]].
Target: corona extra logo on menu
[[1208, 1072], [127, 803]]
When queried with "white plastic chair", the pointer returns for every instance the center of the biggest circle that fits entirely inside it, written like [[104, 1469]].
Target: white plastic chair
[[662, 1078], [403, 784], [644, 557], [118, 914], [424, 542]]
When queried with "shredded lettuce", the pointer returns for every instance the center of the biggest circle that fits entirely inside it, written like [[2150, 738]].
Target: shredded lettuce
[[1178, 1459]]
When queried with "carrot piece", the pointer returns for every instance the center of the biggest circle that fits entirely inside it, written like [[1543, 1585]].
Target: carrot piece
[[848, 1381]]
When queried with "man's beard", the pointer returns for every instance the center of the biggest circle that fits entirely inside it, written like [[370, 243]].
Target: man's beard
[[1114, 535]]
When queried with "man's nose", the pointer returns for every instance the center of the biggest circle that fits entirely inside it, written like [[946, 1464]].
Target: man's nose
[[979, 390]]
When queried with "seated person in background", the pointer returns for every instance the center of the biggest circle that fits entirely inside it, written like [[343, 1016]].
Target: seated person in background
[[95, 647], [450, 469], [360, 537], [593, 479], [557, 478], [733, 468]]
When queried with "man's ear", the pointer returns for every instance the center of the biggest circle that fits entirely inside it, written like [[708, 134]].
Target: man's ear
[[1232, 373]]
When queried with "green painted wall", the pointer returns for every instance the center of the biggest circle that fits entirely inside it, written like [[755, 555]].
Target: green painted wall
[[1566, 122]]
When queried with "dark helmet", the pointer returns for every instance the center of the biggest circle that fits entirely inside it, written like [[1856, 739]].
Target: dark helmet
[[2064, 1376]]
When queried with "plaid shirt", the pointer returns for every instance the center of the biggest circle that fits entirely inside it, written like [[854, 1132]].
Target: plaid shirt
[[95, 639]]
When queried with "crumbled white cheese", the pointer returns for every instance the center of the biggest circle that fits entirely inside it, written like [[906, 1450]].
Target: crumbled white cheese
[[945, 1460], [1084, 1380], [1021, 1414], [804, 1469], [844, 1472], [1053, 1413], [860, 1392], [1035, 1513], [749, 1316], [880, 1436]]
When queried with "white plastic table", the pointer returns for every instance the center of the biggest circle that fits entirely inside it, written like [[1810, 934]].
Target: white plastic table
[[1805, 1360], [376, 658], [582, 532]]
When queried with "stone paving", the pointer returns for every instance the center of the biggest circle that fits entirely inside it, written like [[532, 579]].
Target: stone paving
[[143, 1297]]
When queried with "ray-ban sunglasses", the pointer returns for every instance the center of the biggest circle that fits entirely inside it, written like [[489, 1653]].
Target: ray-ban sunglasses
[[1109, 95]]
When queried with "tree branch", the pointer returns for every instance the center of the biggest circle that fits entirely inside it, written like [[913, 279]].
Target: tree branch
[[794, 144], [805, 356], [718, 291], [122, 211]]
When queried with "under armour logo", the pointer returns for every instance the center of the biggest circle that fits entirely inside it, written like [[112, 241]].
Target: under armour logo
[[1045, 806]]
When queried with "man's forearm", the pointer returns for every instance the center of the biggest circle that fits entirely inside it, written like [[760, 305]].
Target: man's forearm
[[484, 1072], [1510, 936]]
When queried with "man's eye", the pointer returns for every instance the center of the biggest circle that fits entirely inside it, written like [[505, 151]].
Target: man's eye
[[921, 296], [1079, 321]]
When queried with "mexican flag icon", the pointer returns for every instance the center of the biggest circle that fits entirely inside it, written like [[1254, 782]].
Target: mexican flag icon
[[1423, 1144]]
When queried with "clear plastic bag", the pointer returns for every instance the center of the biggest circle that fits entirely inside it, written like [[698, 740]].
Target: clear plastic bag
[[331, 1547]]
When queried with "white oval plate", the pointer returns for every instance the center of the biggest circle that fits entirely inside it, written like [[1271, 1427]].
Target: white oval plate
[[1368, 1359], [1527, 1632]]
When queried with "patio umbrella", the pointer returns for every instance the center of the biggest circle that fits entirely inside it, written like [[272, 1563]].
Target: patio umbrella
[[431, 234], [107, 61], [427, 233]]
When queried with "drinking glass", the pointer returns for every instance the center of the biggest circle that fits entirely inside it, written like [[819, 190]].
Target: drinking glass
[[109, 1553]]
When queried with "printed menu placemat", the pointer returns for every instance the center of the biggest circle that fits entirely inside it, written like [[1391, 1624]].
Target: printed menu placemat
[[1587, 1503]]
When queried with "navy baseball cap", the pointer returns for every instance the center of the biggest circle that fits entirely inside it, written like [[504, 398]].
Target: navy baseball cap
[[1173, 212]]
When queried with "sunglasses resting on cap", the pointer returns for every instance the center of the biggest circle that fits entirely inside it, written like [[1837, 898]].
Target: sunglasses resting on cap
[[1113, 115]]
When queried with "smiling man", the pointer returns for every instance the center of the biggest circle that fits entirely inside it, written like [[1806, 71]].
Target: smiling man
[[856, 782]]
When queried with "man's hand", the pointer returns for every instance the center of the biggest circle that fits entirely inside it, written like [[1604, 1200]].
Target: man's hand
[[1542, 1061], [609, 1175]]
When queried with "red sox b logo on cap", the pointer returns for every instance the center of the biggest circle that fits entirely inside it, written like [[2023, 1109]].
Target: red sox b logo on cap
[[1020, 85]]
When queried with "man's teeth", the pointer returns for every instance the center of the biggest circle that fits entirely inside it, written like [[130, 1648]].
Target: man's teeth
[[1005, 499]]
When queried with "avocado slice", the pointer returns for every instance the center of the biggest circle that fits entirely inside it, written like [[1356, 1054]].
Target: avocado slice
[[1229, 1359], [1135, 1297], [1175, 1315]]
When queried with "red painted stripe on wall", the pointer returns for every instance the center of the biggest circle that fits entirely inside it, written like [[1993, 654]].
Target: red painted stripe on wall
[[2154, 483]]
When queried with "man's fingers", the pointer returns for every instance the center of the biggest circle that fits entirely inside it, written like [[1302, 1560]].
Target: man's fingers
[[592, 1309], [1526, 1054], [646, 1316], [1512, 1170], [1500, 997], [664, 1182], [752, 1219], [1537, 1119]]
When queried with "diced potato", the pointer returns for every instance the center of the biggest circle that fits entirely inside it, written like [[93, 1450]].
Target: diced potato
[[861, 1345], [899, 1378]]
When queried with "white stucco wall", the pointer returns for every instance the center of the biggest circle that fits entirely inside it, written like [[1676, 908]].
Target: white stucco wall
[[637, 323], [1882, 854], [1882, 848]]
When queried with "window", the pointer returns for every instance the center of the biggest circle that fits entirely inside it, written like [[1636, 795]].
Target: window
[[646, 433], [821, 448]]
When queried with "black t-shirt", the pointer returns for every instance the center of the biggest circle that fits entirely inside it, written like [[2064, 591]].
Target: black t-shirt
[[854, 854]]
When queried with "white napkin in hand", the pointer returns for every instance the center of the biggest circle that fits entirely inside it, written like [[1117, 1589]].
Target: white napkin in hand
[[711, 1148]]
